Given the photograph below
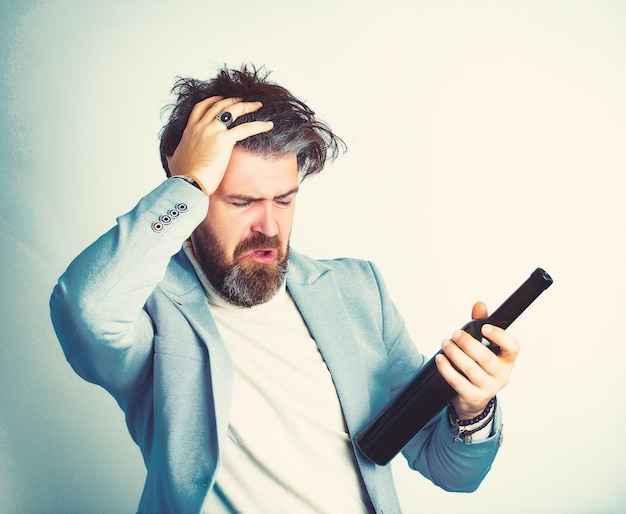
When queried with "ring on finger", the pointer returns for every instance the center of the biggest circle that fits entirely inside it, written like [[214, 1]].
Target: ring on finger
[[226, 117]]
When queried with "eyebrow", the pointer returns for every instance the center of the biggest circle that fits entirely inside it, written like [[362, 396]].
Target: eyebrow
[[247, 198]]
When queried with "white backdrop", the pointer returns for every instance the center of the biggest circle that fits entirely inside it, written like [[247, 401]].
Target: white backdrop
[[485, 139]]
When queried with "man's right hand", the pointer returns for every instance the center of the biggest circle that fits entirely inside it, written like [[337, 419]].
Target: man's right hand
[[207, 144]]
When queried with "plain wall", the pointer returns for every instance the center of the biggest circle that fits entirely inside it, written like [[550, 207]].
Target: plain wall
[[485, 139]]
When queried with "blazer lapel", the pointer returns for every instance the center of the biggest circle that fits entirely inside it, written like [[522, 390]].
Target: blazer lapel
[[183, 286], [319, 300]]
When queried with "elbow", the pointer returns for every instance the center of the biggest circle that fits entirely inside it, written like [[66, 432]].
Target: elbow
[[62, 317], [461, 484]]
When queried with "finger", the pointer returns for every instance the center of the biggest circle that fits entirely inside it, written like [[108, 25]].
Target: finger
[[472, 347], [252, 128], [200, 109], [474, 384], [448, 372], [452, 376], [234, 106], [472, 398], [470, 357], [509, 346], [479, 311]]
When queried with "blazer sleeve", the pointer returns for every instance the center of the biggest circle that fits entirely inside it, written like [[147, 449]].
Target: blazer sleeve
[[97, 307], [452, 466]]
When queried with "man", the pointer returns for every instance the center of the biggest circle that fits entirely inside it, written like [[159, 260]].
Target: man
[[244, 368]]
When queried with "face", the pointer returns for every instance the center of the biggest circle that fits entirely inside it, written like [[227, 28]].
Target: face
[[242, 245]]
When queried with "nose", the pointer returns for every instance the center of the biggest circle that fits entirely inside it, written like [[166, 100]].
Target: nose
[[265, 221]]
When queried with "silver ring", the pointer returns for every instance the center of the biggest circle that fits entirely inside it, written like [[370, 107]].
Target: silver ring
[[225, 117]]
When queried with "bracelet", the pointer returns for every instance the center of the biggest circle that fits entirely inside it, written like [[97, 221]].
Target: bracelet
[[457, 423], [190, 179], [466, 435], [454, 418]]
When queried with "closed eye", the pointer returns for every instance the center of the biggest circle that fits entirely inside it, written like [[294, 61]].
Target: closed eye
[[242, 203], [283, 202], [287, 199]]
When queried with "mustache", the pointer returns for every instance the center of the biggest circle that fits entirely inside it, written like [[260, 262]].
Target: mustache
[[257, 241]]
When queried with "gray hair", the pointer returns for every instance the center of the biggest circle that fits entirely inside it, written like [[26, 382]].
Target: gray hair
[[296, 129]]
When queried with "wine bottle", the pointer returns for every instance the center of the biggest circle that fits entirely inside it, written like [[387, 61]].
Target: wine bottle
[[428, 393]]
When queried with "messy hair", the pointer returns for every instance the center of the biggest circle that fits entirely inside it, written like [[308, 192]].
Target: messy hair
[[296, 129]]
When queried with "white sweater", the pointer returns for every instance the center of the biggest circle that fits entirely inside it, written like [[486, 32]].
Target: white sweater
[[288, 449]]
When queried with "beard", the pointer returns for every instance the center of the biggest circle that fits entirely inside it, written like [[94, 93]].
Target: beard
[[242, 284]]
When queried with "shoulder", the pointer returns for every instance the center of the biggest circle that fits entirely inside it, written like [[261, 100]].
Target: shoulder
[[351, 284], [308, 269], [356, 280]]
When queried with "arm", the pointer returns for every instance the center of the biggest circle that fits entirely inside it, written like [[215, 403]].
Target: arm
[[455, 467], [97, 306], [483, 375], [459, 466]]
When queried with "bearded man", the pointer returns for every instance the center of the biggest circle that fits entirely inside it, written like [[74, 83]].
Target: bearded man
[[244, 368]]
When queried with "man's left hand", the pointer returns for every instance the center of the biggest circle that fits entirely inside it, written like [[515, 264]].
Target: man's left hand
[[483, 373]]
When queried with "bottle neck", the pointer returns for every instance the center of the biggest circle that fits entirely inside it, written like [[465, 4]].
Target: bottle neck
[[517, 303]]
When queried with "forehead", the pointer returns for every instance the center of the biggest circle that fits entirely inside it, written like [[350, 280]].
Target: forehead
[[259, 175]]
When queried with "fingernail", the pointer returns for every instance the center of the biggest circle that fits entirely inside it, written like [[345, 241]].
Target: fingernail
[[456, 335], [487, 329], [445, 343]]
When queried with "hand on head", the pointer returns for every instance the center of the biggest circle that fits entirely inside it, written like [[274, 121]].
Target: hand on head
[[207, 142]]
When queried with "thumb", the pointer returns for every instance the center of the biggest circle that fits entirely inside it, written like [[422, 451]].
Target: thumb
[[479, 311]]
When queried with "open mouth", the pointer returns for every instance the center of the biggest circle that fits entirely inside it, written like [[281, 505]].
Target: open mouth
[[265, 255]]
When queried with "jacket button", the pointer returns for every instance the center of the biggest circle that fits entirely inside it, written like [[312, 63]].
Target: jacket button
[[173, 213], [182, 207], [157, 226], [165, 219]]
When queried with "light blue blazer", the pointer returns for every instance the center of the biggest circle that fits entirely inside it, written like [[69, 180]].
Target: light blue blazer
[[132, 317]]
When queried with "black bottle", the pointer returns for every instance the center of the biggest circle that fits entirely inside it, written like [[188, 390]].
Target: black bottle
[[428, 394]]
